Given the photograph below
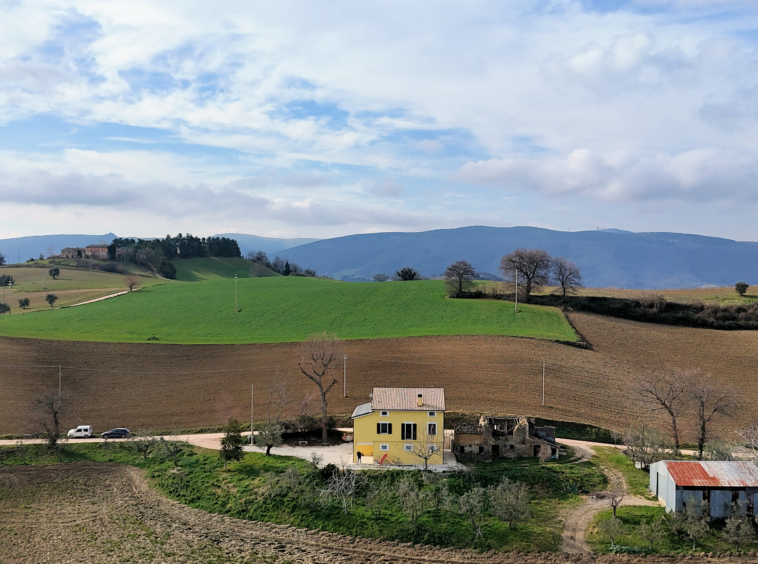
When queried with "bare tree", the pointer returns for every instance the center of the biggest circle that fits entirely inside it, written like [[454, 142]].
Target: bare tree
[[459, 277], [144, 443], [131, 282], [380, 277], [711, 400], [510, 501], [319, 357], [749, 440], [279, 397], [668, 392], [48, 409], [567, 275], [173, 447], [342, 486], [614, 499], [532, 266], [428, 444], [645, 444]]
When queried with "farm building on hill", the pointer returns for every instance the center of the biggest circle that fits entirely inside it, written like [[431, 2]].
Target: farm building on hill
[[73, 252], [677, 483], [509, 437], [398, 424]]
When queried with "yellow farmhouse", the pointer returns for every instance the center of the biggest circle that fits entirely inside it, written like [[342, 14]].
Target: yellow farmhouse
[[400, 426]]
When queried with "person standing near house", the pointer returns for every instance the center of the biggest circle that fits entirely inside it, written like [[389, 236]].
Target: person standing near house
[[359, 455]]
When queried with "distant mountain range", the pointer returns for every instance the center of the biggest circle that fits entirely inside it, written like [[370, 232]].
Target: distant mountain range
[[21, 249], [608, 258], [267, 244]]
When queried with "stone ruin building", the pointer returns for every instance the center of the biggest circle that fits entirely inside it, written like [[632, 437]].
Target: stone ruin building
[[507, 437]]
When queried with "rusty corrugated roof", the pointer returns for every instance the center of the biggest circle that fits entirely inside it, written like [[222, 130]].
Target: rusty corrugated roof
[[405, 399], [714, 474]]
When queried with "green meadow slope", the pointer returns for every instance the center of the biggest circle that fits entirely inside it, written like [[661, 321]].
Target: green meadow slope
[[286, 309], [213, 268]]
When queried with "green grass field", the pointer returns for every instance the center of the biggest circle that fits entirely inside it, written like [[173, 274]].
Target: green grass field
[[199, 269], [29, 280], [280, 309]]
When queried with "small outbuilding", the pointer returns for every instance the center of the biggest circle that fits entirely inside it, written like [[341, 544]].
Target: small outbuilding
[[678, 483]]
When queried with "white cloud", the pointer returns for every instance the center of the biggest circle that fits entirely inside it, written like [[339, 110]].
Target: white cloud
[[702, 175], [628, 104]]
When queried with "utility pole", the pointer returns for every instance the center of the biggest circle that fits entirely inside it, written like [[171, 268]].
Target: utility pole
[[235, 294], [59, 380], [543, 383], [344, 377], [252, 402]]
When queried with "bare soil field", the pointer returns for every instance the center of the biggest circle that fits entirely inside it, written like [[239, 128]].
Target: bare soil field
[[98, 513], [164, 387]]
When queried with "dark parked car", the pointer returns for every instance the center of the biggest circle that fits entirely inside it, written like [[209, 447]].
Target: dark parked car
[[118, 433]]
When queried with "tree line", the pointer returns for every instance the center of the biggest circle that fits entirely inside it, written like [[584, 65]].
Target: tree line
[[280, 265], [157, 254]]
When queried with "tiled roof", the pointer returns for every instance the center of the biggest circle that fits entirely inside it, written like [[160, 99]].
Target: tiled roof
[[714, 474], [363, 409], [405, 399]]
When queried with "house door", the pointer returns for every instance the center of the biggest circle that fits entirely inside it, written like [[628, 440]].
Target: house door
[[536, 450], [495, 450]]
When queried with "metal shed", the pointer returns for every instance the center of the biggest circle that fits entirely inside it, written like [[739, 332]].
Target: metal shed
[[677, 483]]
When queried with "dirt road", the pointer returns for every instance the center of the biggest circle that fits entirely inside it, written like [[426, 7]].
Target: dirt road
[[90, 513], [577, 520]]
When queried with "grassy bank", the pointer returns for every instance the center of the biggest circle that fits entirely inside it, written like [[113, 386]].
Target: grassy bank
[[280, 309], [286, 490]]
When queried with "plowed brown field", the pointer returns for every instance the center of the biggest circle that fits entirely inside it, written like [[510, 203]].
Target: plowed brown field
[[99, 513], [152, 386]]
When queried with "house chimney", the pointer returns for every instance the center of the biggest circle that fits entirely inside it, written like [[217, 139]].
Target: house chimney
[[420, 400]]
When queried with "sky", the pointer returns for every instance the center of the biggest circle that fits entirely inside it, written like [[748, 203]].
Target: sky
[[314, 119]]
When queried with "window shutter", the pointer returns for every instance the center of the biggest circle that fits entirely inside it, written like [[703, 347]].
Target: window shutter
[[414, 431], [389, 428], [378, 428]]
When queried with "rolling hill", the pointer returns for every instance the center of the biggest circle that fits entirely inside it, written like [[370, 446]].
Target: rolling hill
[[608, 258], [212, 268], [280, 309]]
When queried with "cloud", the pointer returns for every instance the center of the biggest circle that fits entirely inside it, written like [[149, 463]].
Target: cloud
[[112, 194], [386, 189], [702, 175]]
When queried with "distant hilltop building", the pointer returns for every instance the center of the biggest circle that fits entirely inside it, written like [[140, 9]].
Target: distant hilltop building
[[99, 252]]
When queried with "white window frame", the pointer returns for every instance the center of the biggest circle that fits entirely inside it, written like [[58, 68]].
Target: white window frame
[[402, 427], [384, 447], [428, 426], [432, 414], [384, 428], [384, 413], [432, 448], [408, 447]]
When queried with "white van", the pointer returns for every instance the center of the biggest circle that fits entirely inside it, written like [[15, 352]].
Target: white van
[[81, 432]]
